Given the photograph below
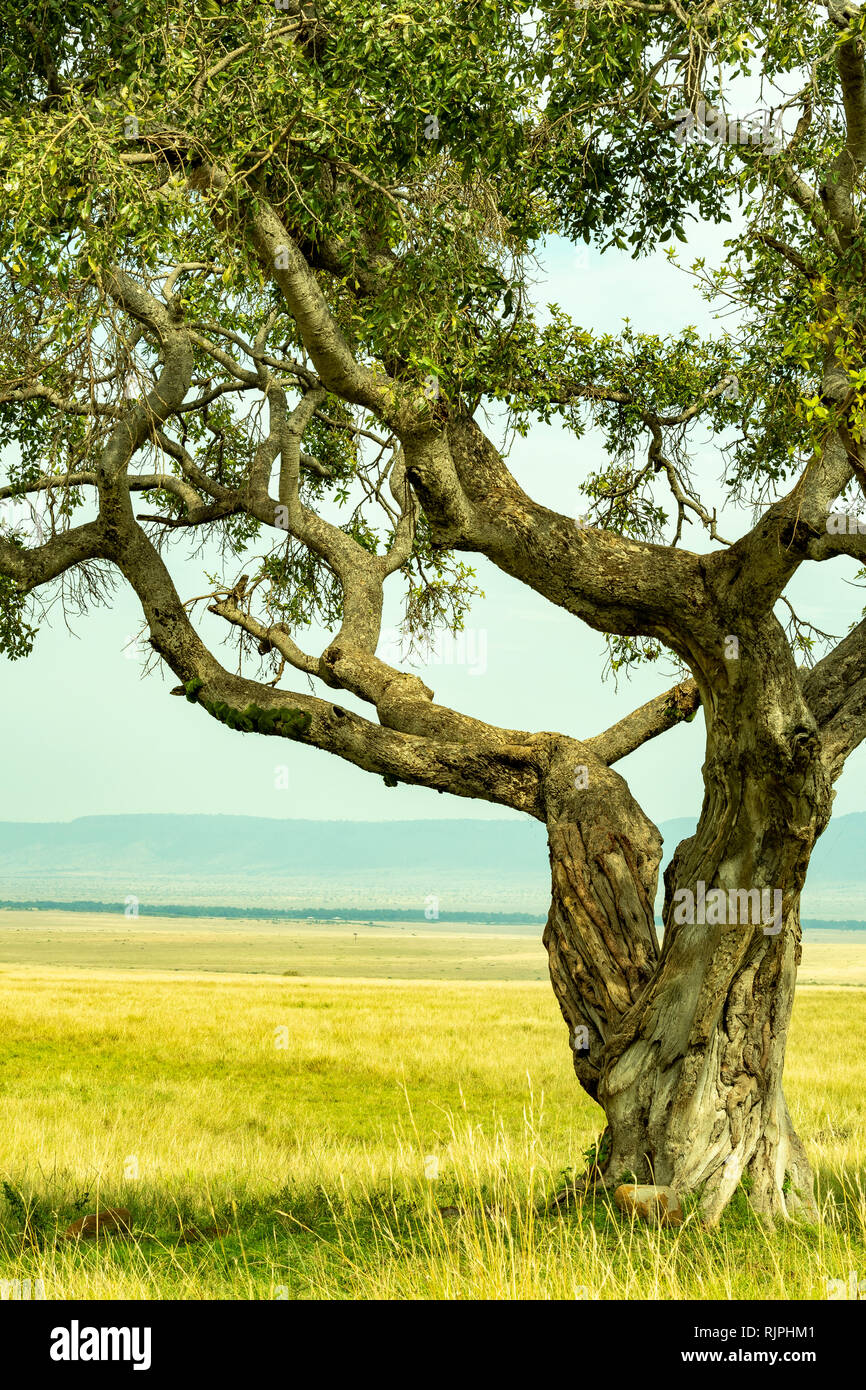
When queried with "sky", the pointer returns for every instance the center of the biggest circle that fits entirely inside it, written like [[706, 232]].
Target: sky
[[88, 734]]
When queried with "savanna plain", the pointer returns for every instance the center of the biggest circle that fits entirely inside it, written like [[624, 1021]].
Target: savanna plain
[[363, 1111]]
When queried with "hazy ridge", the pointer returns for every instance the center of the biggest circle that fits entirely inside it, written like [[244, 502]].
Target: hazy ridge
[[460, 868]]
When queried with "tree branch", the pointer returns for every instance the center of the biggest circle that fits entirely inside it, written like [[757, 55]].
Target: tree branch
[[674, 706]]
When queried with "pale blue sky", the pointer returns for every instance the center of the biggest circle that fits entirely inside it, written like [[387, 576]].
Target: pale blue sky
[[86, 735]]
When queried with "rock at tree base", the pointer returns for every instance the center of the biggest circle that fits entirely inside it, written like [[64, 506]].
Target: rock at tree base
[[660, 1205]]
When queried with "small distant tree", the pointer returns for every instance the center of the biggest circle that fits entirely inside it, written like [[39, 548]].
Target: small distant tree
[[266, 269]]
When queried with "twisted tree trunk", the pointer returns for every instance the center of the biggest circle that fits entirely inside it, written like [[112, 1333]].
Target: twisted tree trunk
[[600, 934], [684, 1047]]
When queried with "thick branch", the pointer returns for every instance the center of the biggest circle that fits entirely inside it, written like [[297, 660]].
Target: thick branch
[[835, 690], [32, 567], [615, 585], [674, 706]]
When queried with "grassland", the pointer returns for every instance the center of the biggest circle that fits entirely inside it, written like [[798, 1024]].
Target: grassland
[[356, 1135], [357, 950], [380, 951]]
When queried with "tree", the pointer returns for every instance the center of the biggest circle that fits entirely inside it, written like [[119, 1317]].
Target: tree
[[263, 269]]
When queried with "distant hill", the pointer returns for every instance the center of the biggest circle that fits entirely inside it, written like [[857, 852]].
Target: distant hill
[[440, 866], [231, 844], [470, 866]]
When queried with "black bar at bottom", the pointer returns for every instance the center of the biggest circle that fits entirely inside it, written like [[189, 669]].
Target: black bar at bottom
[[172, 1341]]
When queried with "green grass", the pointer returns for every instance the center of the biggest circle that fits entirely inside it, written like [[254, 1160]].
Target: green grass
[[306, 1115], [380, 951]]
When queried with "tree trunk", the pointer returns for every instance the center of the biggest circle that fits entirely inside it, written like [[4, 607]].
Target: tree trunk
[[600, 934], [684, 1048], [692, 1086]]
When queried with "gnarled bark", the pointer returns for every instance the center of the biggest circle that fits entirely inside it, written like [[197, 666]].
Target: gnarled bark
[[687, 1045], [600, 933]]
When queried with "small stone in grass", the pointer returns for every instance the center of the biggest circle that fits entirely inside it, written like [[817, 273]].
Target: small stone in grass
[[660, 1205], [112, 1221]]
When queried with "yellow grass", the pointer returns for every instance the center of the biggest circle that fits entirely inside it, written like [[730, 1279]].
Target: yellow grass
[[327, 1121]]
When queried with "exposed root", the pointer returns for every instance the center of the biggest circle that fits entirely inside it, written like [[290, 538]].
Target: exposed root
[[590, 1179]]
